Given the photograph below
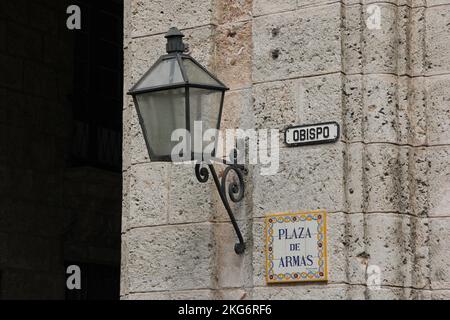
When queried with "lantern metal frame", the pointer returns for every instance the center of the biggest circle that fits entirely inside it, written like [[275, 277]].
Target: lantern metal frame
[[176, 51], [186, 85], [236, 189]]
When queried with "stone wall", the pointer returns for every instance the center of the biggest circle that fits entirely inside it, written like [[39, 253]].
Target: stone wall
[[386, 184]]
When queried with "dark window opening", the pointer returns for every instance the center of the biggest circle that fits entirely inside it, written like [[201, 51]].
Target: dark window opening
[[98, 86]]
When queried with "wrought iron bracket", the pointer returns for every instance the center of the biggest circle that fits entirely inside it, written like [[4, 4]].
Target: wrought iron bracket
[[235, 191]]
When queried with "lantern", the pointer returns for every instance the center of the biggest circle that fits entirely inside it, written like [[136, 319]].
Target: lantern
[[177, 93]]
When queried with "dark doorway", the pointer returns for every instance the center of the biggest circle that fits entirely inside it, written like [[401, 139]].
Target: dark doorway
[[60, 149]]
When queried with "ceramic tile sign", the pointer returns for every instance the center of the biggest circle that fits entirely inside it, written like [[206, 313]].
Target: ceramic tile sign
[[296, 247]]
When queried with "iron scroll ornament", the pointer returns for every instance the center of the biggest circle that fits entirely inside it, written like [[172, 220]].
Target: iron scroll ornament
[[236, 191]]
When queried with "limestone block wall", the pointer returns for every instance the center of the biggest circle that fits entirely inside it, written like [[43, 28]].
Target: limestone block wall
[[385, 184]]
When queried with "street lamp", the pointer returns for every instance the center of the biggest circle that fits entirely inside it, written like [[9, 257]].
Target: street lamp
[[178, 93]]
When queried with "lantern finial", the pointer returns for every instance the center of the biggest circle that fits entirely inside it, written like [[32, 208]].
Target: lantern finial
[[175, 41]]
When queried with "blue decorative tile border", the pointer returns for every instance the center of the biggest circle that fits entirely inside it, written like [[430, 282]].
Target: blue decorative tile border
[[320, 273]]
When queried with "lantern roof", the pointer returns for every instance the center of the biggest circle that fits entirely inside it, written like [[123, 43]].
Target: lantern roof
[[176, 69]]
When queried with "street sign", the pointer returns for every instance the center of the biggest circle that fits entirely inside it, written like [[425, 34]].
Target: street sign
[[296, 247], [312, 134]]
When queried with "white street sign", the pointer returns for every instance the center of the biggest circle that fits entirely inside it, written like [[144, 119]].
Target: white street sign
[[312, 134]]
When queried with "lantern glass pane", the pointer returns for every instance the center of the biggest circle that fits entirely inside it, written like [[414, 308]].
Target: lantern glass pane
[[205, 108], [162, 113], [197, 75], [165, 73]]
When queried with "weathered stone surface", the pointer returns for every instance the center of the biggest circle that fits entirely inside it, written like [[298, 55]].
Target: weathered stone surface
[[354, 172], [352, 28], [415, 41], [385, 108], [437, 39], [233, 294], [309, 292], [440, 295], [388, 293], [306, 3], [164, 14], [264, 7], [126, 139], [389, 247], [412, 112], [380, 109], [284, 103], [125, 201], [234, 54], [440, 260], [277, 107], [238, 110], [190, 295], [149, 195], [189, 200], [420, 242], [171, 258], [395, 47], [344, 247], [438, 110], [420, 201], [279, 54], [127, 28], [353, 245], [387, 186], [134, 141], [380, 46], [124, 276], [259, 253], [431, 3], [233, 271], [314, 184], [438, 181], [233, 10]]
